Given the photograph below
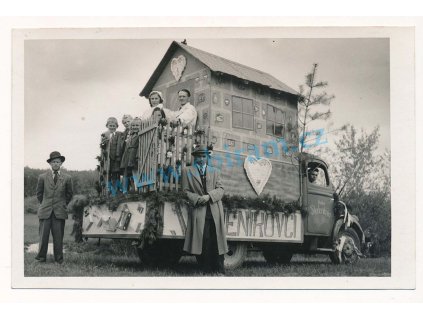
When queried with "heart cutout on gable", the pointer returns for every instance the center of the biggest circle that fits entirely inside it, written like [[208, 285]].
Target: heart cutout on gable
[[258, 172], [177, 66]]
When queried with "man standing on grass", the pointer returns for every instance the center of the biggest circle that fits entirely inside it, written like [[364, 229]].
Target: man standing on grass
[[54, 192], [206, 232]]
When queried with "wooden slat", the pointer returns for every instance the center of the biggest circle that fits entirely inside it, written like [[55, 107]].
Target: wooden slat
[[189, 145], [161, 157], [172, 160], [166, 147], [154, 161], [177, 156], [184, 146]]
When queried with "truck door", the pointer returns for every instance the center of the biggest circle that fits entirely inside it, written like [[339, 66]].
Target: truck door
[[320, 217]]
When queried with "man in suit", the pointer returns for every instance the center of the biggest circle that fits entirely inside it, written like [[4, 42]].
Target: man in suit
[[206, 232], [54, 192]]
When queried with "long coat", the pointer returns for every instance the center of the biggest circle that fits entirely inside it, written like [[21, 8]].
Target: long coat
[[192, 186], [54, 197], [115, 148], [130, 155]]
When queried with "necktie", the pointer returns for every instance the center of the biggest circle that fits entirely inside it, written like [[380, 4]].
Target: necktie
[[55, 177]]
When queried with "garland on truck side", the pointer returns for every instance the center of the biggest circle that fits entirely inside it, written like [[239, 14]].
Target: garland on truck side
[[153, 227], [271, 205]]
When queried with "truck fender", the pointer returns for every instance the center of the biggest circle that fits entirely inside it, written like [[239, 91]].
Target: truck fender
[[357, 227], [353, 223]]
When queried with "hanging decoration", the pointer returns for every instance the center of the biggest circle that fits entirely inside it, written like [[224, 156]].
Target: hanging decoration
[[258, 172], [177, 66]]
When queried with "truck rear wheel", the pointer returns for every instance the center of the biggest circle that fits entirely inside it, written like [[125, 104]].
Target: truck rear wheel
[[237, 252], [274, 256], [163, 253], [351, 247]]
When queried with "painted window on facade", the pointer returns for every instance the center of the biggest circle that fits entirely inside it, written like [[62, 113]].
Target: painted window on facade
[[242, 113], [275, 121]]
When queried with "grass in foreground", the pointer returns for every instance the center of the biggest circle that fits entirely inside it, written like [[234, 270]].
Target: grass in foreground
[[92, 260], [117, 259]]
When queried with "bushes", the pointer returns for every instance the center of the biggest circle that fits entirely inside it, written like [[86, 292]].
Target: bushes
[[374, 212], [83, 181], [31, 205]]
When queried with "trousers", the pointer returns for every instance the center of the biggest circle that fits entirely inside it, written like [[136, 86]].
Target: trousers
[[57, 228], [210, 259]]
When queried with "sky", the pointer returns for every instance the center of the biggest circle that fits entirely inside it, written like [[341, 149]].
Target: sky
[[73, 86]]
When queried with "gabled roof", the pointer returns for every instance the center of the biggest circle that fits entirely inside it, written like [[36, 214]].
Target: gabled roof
[[218, 64]]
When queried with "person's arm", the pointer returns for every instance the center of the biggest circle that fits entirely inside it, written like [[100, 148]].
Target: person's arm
[[192, 196], [40, 189], [217, 193], [188, 116], [104, 140], [68, 190]]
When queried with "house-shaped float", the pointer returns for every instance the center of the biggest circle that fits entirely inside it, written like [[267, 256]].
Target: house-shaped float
[[245, 112]]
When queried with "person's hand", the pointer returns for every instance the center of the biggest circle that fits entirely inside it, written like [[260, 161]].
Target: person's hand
[[203, 199]]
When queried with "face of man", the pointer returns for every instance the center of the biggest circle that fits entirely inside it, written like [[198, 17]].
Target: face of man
[[55, 164], [200, 160], [183, 97], [155, 100], [312, 176]]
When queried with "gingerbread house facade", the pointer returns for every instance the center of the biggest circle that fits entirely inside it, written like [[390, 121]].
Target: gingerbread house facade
[[245, 112]]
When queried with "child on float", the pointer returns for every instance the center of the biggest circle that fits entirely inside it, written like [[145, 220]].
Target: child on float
[[129, 163], [126, 121], [111, 146]]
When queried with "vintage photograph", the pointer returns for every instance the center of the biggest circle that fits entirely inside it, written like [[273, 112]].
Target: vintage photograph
[[206, 157]]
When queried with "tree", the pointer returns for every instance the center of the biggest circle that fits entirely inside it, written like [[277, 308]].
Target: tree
[[354, 162], [362, 179], [313, 104]]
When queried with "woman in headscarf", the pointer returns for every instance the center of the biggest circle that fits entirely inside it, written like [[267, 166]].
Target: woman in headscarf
[[155, 99]]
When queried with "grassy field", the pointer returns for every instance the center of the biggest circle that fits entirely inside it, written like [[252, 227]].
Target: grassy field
[[114, 258]]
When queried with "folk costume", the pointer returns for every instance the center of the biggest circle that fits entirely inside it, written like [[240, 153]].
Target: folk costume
[[54, 192], [206, 232]]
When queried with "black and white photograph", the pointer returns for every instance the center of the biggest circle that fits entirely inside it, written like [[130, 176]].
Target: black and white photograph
[[257, 154]]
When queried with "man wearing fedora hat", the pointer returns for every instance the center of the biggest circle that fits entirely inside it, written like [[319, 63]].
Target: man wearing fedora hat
[[54, 192], [206, 232]]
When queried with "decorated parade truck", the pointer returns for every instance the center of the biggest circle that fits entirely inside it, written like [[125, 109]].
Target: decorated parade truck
[[277, 199]]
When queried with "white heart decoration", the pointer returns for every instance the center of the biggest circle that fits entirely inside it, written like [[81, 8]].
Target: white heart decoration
[[177, 66], [258, 172]]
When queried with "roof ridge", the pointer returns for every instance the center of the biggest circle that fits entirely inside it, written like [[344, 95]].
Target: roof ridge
[[223, 58]]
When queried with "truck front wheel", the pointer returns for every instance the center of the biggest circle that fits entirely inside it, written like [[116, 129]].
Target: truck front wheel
[[347, 247], [237, 252]]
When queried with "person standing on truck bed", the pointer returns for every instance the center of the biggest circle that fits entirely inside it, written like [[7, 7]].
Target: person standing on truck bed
[[111, 145], [187, 114], [54, 192], [206, 233]]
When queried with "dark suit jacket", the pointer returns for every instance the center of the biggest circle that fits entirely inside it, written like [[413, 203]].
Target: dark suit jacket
[[54, 197]]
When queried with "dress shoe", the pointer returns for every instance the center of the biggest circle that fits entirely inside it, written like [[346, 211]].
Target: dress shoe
[[40, 260]]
